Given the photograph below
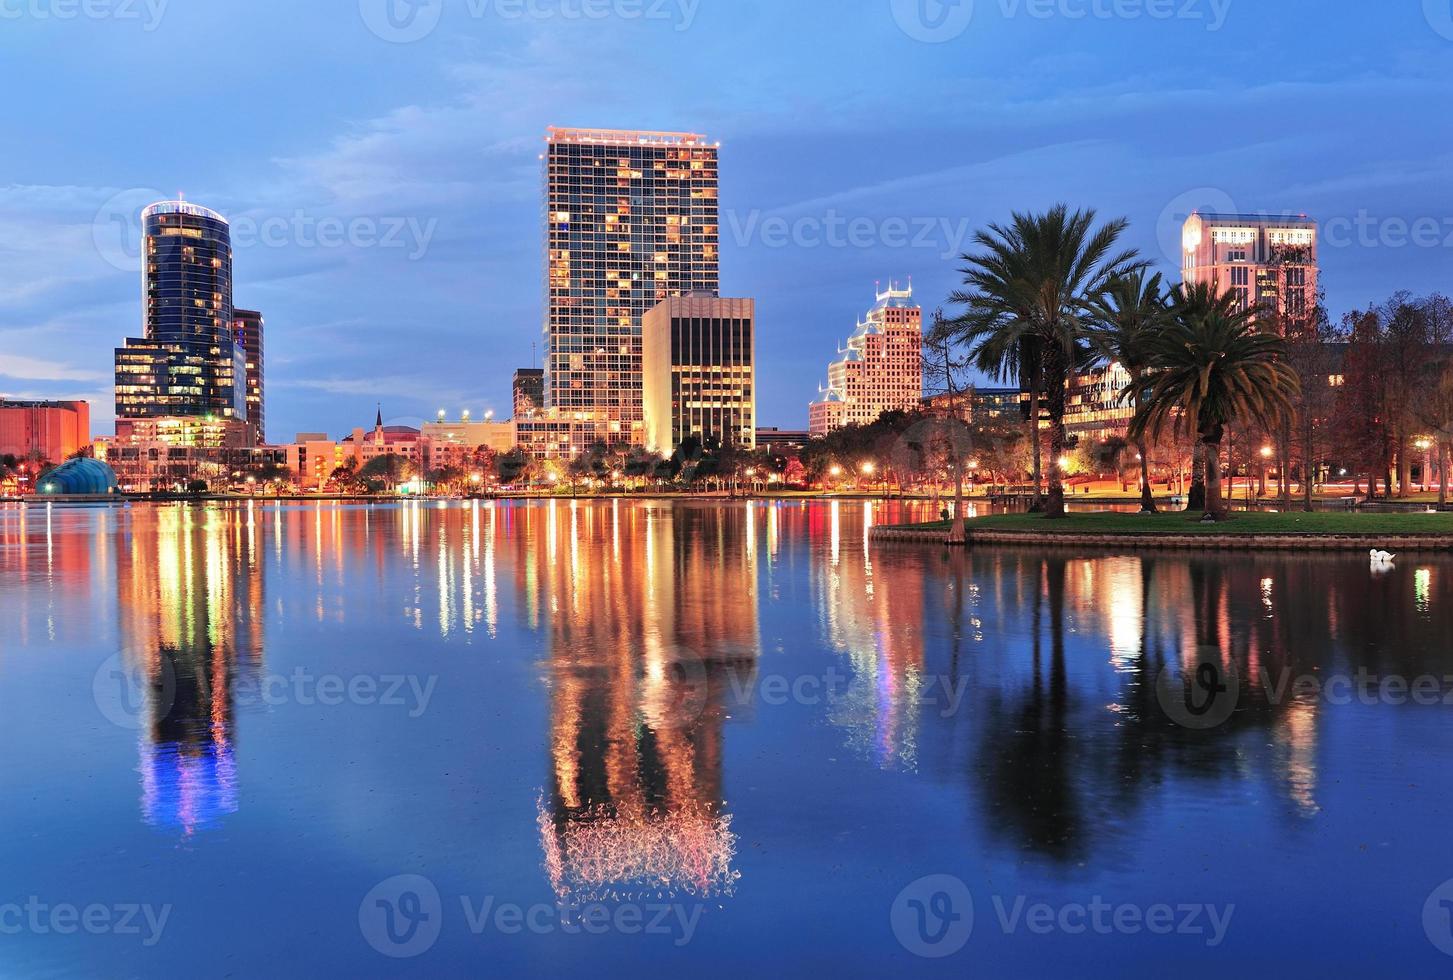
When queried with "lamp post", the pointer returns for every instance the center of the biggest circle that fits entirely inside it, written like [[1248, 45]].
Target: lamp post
[[869, 470]]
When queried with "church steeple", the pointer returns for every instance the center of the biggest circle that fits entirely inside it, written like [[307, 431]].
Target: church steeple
[[378, 422]]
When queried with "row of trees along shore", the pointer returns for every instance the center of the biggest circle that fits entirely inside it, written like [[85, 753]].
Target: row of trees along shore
[[1048, 295]]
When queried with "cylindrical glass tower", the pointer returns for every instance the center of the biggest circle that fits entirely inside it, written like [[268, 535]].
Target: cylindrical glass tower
[[187, 273], [187, 362]]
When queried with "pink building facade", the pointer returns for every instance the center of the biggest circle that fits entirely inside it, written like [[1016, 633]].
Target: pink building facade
[[48, 430], [1268, 262]]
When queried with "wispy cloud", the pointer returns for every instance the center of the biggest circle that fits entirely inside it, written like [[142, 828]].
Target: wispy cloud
[[23, 368]]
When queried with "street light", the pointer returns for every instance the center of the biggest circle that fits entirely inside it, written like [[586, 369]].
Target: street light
[[836, 471], [1267, 452], [869, 469]]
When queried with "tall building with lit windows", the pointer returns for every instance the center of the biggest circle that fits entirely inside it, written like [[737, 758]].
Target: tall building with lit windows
[[631, 219], [187, 362], [1269, 261], [699, 372], [248, 335], [881, 369]]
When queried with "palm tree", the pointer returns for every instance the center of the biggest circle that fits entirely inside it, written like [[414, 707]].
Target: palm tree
[[998, 329], [1211, 367], [1030, 293], [1194, 301], [1131, 311]]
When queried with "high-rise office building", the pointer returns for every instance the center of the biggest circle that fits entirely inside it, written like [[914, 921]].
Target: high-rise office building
[[248, 332], [529, 391], [1269, 262], [187, 361], [698, 372], [631, 219], [880, 371]]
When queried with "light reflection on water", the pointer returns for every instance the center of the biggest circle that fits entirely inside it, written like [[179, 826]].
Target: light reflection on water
[[608, 727]]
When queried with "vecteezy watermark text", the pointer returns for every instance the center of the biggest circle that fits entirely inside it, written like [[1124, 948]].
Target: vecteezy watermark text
[[39, 918], [404, 917], [832, 229], [1207, 694], [1366, 230], [934, 918], [148, 12], [132, 692], [406, 21], [117, 232], [939, 21]]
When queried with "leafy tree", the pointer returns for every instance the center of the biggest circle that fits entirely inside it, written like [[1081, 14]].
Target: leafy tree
[[942, 366], [383, 473], [515, 466]]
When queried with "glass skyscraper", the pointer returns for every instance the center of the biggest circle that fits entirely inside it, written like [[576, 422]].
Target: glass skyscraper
[[187, 361], [631, 219]]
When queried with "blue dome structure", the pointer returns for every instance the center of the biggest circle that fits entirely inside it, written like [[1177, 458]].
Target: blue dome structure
[[79, 478]]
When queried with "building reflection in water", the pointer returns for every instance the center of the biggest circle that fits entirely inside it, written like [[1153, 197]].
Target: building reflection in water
[[650, 626], [190, 603], [652, 617], [877, 627], [1066, 754]]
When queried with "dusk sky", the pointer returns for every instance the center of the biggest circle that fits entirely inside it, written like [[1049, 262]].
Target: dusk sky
[[383, 176]]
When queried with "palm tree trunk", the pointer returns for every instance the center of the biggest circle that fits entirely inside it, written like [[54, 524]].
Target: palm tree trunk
[[1036, 385], [1215, 504], [1197, 498], [1056, 370], [1147, 492]]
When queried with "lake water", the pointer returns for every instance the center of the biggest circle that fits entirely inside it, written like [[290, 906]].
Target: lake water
[[707, 739]]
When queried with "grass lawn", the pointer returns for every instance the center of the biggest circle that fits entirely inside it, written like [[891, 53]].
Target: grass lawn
[[1239, 523]]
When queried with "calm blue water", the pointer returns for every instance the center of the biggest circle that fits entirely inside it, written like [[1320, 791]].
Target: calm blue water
[[706, 739]]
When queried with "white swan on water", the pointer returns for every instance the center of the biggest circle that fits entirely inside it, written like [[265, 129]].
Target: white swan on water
[[1382, 557]]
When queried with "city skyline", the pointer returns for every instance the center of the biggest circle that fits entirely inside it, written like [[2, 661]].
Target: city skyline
[[434, 182]]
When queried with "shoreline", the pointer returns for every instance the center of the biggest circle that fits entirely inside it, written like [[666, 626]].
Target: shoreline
[[1246, 531], [1174, 542]]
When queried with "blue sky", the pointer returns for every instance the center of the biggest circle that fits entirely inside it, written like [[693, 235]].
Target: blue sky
[[384, 172]]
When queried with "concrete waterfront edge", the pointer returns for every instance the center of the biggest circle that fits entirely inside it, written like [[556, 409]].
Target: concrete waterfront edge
[[1178, 542]]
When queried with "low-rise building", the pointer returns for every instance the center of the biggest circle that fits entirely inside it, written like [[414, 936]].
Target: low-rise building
[[456, 444], [162, 454], [982, 406], [44, 430], [783, 442]]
